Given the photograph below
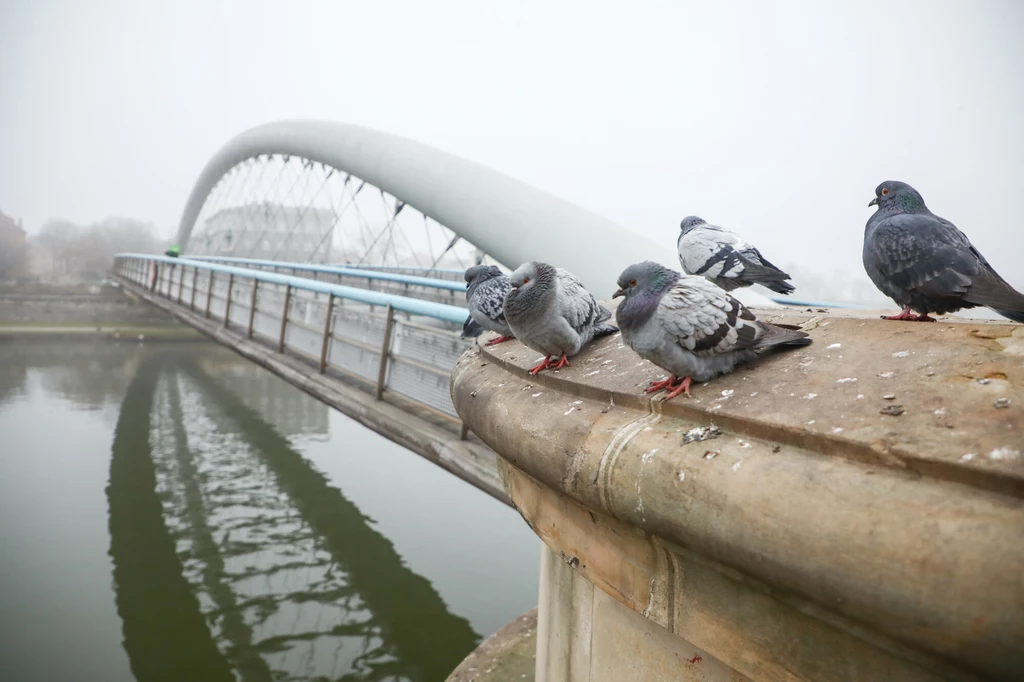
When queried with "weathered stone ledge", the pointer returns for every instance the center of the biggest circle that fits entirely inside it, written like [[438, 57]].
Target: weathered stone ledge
[[905, 531]]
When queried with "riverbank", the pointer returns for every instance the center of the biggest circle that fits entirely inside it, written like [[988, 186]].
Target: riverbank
[[127, 333], [96, 306], [96, 313]]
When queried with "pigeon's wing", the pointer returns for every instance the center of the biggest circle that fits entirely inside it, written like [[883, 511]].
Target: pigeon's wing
[[753, 255], [922, 253], [703, 249], [577, 305], [989, 288], [706, 320], [716, 254], [489, 299]]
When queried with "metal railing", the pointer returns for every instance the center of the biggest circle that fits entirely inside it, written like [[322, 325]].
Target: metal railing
[[451, 274], [400, 345], [447, 290]]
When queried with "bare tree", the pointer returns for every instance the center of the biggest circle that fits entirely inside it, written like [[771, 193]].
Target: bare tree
[[76, 252]]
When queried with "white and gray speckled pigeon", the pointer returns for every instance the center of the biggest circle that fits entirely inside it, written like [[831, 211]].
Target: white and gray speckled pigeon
[[486, 297], [690, 327], [550, 311], [725, 258], [924, 263]]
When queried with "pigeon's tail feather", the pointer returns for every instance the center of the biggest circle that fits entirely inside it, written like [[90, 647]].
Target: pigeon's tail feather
[[604, 329], [781, 336], [728, 284], [603, 314], [768, 276], [759, 270], [993, 291], [779, 286], [471, 329], [1015, 315]]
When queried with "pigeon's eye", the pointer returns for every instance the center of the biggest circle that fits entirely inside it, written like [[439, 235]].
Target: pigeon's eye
[[885, 191], [526, 280], [632, 282]]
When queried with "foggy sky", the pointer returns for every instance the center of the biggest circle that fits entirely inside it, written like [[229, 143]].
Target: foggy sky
[[774, 119]]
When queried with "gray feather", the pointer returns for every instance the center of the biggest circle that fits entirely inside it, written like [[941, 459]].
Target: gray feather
[[470, 329], [725, 258], [689, 326], [551, 312], [924, 262], [486, 297]]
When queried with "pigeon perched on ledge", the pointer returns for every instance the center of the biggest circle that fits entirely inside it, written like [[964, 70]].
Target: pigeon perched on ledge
[[550, 311], [725, 258], [689, 327], [924, 263], [486, 297]]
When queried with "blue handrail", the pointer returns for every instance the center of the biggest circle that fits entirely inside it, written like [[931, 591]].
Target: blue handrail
[[448, 284], [405, 304], [781, 300], [455, 271]]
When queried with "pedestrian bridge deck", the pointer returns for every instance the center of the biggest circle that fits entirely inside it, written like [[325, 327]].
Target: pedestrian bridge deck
[[381, 359]]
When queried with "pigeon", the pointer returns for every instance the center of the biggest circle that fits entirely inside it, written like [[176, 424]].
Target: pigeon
[[486, 296], [924, 263], [689, 327], [550, 311], [725, 258]]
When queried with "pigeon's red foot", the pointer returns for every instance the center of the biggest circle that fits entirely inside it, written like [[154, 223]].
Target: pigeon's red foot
[[683, 387], [542, 366], [562, 362], [666, 384], [500, 339], [908, 316]]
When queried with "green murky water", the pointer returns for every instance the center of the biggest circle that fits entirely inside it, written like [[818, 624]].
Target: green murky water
[[176, 513]]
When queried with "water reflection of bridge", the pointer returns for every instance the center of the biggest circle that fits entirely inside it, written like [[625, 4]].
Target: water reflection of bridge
[[290, 412], [233, 557]]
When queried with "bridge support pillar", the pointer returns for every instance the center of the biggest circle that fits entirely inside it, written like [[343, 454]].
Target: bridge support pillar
[[583, 633]]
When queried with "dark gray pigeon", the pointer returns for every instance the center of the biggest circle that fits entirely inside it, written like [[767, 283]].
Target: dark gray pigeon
[[689, 327], [725, 258], [486, 297], [924, 263], [550, 311]]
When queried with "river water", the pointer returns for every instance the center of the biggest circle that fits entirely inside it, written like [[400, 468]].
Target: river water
[[173, 512]]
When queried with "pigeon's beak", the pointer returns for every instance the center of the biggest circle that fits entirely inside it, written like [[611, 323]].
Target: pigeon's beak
[[618, 292], [873, 202]]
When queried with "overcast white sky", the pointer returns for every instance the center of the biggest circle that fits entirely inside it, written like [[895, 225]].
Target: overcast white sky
[[775, 119]]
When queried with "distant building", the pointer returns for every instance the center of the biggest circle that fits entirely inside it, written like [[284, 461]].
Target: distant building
[[13, 248], [268, 231]]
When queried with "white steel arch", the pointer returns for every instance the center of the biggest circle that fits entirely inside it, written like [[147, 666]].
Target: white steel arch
[[508, 219]]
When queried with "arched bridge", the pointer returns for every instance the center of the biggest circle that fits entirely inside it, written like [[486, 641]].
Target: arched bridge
[[333, 255]]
